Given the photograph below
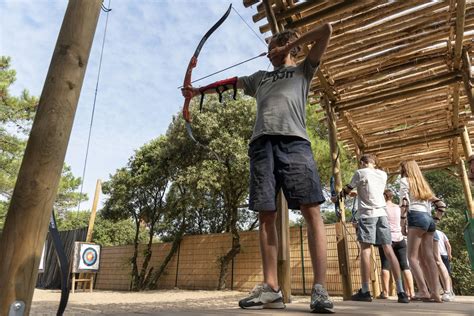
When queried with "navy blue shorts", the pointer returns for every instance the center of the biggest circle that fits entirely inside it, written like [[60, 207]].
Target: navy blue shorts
[[421, 220], [283, 162]]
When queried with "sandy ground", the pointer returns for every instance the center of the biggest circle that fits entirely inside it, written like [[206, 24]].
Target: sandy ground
[[182, 302]]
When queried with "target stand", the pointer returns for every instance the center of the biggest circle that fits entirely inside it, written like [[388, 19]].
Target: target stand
[[86, 263]]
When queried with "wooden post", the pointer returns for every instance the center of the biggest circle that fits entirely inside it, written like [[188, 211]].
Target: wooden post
[[36, 187], [466, 145], [283, 228], [88, 277], [466, 187], [466, 76], [374, 271], [341, 235], [466, 142], [90, 228]]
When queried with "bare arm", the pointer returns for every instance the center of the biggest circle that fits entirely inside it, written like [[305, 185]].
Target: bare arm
[[448, 248], [320, 36]]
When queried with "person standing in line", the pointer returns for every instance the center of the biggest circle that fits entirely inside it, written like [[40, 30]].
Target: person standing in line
[[399, 246], [442, 255], [416, 198], [373, 226]]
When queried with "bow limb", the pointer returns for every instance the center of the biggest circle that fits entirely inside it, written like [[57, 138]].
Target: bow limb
[[187, 82], [192, 64], [63, 264]]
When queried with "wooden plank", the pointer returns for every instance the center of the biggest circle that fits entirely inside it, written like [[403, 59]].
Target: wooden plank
[[460, 18]]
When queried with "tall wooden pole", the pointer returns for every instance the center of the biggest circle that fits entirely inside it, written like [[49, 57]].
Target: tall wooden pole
[[36, 187], [341, 235], [466, 187], [90, 228], [467, 148], [283, 228]]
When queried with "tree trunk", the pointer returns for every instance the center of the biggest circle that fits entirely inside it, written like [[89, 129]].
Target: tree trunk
[[143, 273], [227, 258], [174, 247], [135, 277]]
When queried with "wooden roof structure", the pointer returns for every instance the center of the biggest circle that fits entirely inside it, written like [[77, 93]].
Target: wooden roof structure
[[397, 74]]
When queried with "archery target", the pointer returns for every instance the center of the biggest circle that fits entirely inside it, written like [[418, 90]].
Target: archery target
[[89, 255]]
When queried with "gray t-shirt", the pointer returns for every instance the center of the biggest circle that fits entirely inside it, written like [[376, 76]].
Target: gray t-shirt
[[370, 184], [281, 99]]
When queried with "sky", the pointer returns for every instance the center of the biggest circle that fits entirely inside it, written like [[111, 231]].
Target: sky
[[147, 49]]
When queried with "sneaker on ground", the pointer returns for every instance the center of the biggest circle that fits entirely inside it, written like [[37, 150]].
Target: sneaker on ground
[[320, 301], [262, 296], [382, 296], [403, 297], [447, 296], [359, 296]]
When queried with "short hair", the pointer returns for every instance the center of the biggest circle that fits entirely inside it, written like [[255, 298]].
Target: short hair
[[284, 37], [368, 158], [388, 195]]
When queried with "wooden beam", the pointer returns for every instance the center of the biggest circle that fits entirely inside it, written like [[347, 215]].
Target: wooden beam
[[274, 26], [466, 76], [341, 231], [37, 183], [402, 91], [328, 89], [90, 228], [321, 14], [466, 187], [460, 19], [415, 140], [466, 142], [354, 130]]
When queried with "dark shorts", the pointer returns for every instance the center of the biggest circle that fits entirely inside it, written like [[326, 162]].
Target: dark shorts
[[421, 220], [446, 263], [400, 250], [374, 230], [283, 162]]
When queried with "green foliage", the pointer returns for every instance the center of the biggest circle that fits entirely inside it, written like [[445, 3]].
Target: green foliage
[[449, 189], [16, 117], [318, 134], [106, 232]]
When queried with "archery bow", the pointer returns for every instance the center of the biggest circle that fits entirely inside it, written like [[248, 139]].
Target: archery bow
[[63, 264], [192, 64]]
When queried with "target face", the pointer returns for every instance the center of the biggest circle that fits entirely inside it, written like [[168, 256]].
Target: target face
[[88, 257]]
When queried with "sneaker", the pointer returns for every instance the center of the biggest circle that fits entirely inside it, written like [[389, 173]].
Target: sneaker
[[262, 296], [403, 297], [359, 296], [320, 301], [382, 296], [447, 296]]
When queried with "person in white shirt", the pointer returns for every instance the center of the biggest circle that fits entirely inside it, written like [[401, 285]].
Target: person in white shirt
[[373, 226], [442, 254]]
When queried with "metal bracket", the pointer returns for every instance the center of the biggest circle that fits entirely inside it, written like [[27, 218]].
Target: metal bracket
[[17, 308]]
